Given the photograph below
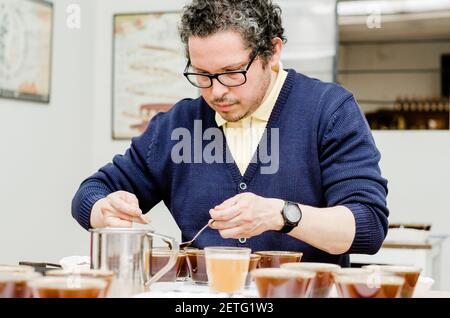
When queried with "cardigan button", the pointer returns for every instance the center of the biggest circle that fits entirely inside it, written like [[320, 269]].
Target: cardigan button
[[243, 186], [242, 240]]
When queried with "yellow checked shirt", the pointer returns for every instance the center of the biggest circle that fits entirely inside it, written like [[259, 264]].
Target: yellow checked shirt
[[244, 135]]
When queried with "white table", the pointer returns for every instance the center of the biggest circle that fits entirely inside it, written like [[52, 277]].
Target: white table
[[188, 289]]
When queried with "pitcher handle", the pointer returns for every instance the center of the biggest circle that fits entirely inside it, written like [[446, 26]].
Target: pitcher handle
[[174, 247]]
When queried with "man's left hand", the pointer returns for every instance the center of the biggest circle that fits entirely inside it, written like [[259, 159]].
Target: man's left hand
[[246, 215]]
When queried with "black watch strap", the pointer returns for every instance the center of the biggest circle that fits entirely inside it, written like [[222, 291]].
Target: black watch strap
[[288, 224]]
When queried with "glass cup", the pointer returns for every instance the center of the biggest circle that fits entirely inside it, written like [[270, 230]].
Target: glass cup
[[368, 285], [227, 268], [276, 258], [273, 282], [13, 284], [159, 258], [253, 264], [106, 275], [323, 280], [195, 259], [68, 287], [409, 273]]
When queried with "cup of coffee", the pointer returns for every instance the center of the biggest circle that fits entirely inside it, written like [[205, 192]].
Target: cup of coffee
[[227, 268], [106, 275], [13, 284], [253, 264], [368, 285], [276, 258], [409, 273], [323, 280], [159, 258], [282, 282], [197, 266], [68, 287]]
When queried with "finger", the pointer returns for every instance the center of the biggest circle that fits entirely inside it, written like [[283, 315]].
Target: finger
[[143, 219], [234, 233], [223, 225], [116, 222], [228, 203], [111, 212], [225, 214], [129, 198], [122, 206]]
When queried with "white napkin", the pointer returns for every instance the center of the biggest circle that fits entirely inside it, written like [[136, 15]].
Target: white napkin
[[75, 263]]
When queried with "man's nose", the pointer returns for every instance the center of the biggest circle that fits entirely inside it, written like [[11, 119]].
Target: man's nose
[[218, 90]]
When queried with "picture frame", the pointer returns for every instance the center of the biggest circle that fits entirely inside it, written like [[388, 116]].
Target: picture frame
[[148, 63], [26, 42]]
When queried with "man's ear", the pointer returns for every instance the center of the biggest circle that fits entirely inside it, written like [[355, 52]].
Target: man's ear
[[276, 53]]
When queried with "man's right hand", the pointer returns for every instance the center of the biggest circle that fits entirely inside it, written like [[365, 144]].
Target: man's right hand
[[119, 209]]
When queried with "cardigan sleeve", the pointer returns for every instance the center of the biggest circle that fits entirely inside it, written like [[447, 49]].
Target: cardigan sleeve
[[129, 172], [351, 175]]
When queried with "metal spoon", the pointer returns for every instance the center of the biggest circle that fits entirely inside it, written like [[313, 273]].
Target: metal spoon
[[187, 243]]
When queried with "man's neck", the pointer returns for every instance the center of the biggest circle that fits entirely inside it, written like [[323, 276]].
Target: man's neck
[[273, 79]]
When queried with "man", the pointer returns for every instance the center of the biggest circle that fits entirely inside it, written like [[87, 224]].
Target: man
[[324, 196]]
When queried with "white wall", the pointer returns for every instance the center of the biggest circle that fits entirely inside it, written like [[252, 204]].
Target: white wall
[[44, 152], [103, 147], [416, 164]]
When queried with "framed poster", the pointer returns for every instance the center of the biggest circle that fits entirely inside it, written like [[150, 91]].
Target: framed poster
[[25, 49], [148, 65]]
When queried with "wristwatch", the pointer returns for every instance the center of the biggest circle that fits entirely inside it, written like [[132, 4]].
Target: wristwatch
[[292, 214]]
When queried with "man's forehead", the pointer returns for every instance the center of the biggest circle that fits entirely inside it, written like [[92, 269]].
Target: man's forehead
[[216, 51]]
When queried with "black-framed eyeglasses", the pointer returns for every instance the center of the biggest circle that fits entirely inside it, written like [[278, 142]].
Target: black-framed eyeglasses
[[229, 79]]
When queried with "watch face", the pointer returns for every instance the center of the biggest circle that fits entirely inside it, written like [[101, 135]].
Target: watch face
[[292, 213]]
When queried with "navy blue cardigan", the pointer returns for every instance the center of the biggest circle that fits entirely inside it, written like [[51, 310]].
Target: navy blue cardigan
[[327, 157]]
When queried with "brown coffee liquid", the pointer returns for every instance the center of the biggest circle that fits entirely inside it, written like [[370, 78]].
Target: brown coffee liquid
[[409, 285], [277, 260], [159, 261], [283, 287], [361, 290], [197, 267], [322, 284], [43, 292], [14, 289], [253, 264], [184, 269]]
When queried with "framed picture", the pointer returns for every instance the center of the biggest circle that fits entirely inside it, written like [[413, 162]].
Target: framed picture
[[148, 65], [26, 28]]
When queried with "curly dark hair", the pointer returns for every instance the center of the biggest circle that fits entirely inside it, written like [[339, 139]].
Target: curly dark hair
[[258, 22]]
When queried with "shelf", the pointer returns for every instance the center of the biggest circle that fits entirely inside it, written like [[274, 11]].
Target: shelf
[[406, 26], [392, 71]]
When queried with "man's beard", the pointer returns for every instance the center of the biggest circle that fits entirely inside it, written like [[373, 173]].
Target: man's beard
[[250, 110]]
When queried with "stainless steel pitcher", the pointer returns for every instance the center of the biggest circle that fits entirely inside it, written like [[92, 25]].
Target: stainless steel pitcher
[[124, 251]]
